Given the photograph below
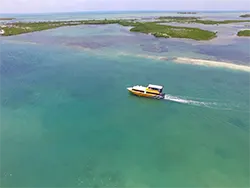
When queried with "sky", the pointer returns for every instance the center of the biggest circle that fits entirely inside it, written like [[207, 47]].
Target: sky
[[45, 6]]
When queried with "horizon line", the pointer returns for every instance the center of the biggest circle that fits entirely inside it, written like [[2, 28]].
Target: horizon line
[[110, 11]]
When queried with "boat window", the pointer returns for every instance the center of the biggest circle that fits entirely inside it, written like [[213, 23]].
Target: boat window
[[152, 93], [154, 89], [138, 90]]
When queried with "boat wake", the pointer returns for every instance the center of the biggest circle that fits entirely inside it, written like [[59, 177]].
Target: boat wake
[[188, 101], [208, 103]]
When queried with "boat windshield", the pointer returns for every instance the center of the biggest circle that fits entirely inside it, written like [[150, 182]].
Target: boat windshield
[[155, 87], [160, 90]]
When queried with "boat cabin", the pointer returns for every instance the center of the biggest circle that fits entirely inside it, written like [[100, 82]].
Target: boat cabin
[[150, 89], [155, 88]]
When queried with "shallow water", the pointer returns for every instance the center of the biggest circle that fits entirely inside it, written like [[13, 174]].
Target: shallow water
[[67, 119], [118, 39]]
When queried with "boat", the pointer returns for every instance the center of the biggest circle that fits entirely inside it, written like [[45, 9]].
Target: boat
[[151, 91]]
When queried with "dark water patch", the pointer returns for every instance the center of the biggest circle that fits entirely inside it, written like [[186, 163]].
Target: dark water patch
[[92, 42], [102, 40], [13, 64], [40, 38], [222, 153], [75, 122], [238, 123], [80, 92], [168, 158], [22, 61], [18, 98], [115, 40], [228, 52], [165, 160], [156, 48], [217, 80], [90, 26], [175, 45], [171, 110], [91, 45]]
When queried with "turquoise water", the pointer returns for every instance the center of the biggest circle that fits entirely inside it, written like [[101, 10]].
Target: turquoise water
[[67, 119]]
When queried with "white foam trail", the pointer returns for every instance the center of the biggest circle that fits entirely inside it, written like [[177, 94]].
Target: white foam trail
[[212, 105], [186, 101]]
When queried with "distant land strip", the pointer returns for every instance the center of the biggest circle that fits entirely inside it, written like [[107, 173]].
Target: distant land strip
[[7, 18], [193, 19], [152, 28], [245, 16], [187, 12]]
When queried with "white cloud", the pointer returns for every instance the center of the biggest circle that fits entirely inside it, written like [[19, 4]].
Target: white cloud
[[24, 6]]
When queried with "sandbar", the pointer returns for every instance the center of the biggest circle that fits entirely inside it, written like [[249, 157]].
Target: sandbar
[[211, 63], [194, 61]]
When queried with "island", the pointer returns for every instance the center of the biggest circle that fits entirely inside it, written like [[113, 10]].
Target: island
[[28, 27], [245, 16], [213, 22], [177, 19], [187, 13], [7, 18], [244, 33], [192, 19], [153, 28], [168, 31]]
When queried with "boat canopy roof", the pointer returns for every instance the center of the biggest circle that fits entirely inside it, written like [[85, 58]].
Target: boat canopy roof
[[142, 88], [155, 86]]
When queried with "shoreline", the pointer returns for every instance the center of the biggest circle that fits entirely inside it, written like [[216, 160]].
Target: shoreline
[[244, 33], [6, 19], [162, 28], [195, 61], [157, 30], [177, 60]]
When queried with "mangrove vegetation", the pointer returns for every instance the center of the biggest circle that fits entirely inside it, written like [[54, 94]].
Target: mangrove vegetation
[[167, 31], [186, 12], [213, 22], [244, 33], [192, 19], [245, 16], [7, 18], [27, 27], [152, 28], [180, 19]]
